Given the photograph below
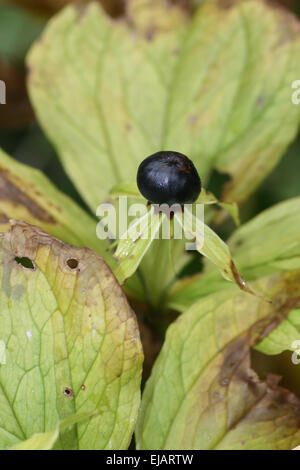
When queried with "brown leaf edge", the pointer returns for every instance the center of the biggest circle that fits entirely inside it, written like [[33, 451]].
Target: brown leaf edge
[[264, 400]]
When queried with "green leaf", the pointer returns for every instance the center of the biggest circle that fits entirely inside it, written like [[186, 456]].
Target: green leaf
[[206, 197], [271, 241], [72, 345], [42, 441], [203, 394], [46, 440], [210, 245], [135, 242], [160, 265], [232, 209], [267, 244], [26, 194], [161, 252], [286, 337], [129, 189], [109, 93], [185, 292]]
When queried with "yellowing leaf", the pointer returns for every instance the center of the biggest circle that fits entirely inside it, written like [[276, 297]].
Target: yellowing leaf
[[135, 243], [151, 16], [286, 337], [267, 244], [270, 241], [42, 441], [71, 345], [203, 394], [46, 440], [209, 244], [26, 194], [109, 93]]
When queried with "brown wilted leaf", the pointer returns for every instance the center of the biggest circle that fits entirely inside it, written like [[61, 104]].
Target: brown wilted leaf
[[202, 387]]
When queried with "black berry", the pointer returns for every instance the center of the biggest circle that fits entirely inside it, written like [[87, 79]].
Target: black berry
[[168, 177]]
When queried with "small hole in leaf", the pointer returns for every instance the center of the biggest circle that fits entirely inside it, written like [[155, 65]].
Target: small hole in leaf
[[68, 392], [25, 262], [72, 263]]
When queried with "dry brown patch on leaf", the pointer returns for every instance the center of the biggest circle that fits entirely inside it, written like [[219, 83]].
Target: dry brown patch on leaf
[[248, 399], [11, 193], [25, 240], [250, 403], [152, 18]]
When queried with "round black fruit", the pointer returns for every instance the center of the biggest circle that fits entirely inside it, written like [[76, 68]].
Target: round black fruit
[[168, 177]]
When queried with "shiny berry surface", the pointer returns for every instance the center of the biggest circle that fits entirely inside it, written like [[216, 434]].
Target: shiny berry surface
[[168, 177]]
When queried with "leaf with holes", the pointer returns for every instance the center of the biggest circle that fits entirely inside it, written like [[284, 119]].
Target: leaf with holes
[[71, 345], [26, 194], [203, 394], [161, 79]]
